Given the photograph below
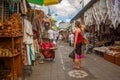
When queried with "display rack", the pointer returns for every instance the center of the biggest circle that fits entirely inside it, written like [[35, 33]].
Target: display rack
[[10, 56], [11, 33]]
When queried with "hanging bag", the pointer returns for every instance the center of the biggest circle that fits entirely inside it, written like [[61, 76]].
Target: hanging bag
[[84, 39], [72, 55]]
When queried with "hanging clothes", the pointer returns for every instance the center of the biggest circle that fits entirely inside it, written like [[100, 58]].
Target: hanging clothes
[[36, 46], [103, 10], [116, 13], [25, 6], [28, 33], [25, 55], [22, 8], [109, 8], [28, 41]]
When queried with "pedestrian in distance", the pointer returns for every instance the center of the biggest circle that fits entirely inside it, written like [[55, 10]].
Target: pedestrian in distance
[[71, 39]]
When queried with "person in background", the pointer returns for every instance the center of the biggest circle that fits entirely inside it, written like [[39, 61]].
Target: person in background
[[51, 34], [60, 37], [71, 39], [87, 35], [78, 46], [55, 38], [47, 51]]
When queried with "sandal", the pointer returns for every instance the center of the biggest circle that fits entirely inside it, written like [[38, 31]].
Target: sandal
[[76, 67]]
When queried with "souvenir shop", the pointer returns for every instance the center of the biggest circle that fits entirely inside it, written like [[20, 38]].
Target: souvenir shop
[[101, 18], [20, 28]]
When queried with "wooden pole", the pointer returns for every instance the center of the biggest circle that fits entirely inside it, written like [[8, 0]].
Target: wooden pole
[[2, 11]]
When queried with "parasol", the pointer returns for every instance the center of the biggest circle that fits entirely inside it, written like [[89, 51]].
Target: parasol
[[44, 2]]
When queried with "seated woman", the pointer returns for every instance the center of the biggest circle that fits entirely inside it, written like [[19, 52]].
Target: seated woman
[[47, 49]]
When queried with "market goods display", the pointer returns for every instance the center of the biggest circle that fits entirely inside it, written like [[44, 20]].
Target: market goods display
[[113, 55], [10, 50], [5, 52], [117, 59], [11, 27], [0, 23], [4, 74]]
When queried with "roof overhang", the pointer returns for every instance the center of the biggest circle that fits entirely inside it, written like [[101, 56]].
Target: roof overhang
[[81, 12]]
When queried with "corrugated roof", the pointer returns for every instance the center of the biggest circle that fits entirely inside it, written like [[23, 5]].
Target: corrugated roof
[[81, 12]]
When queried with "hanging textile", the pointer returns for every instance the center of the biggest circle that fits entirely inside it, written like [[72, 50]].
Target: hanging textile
[[103, 10], [36, 46], [116, 13], [28, 33], [33, 52], [25, 6], [31, 55], [24, 55], [109, 8], [22, 8]]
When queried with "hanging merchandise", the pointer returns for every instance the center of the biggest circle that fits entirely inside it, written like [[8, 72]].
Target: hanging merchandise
[[47, 25], [28, 34], [22, 9], [109, 8], [25, 6], [28, 40], [96, 14], [116, 13], [103, 10]]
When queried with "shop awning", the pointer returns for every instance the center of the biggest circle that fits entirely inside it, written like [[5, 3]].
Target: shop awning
[[81, 12], [44, 2]]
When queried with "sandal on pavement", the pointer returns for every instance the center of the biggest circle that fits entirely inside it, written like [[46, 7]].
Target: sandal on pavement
[[76, 67]]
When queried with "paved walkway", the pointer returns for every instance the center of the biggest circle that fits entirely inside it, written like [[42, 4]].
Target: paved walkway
[[94, 68]]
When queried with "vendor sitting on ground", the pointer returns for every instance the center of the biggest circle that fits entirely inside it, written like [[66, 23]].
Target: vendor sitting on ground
[[48, 49]]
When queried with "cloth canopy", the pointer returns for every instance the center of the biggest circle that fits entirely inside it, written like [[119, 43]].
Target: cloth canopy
[[44, 2]]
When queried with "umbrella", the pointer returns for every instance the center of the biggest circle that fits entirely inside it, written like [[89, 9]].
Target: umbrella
[[44, 2], [39, 2]]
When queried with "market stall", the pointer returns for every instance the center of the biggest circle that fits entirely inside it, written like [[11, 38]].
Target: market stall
[[101, 20], [11, 32], [17, 47]]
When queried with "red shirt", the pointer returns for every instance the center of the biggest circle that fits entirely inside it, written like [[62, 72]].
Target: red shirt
[[79, 38], [44, 45]]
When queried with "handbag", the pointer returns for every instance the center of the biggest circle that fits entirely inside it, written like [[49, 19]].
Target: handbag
[[84, 40], [72, 55]]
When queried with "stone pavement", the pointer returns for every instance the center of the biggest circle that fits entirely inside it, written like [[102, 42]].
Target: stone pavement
[[94, 68]]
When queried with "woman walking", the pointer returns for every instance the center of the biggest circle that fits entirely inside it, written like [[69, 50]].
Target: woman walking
[[78, 46]]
